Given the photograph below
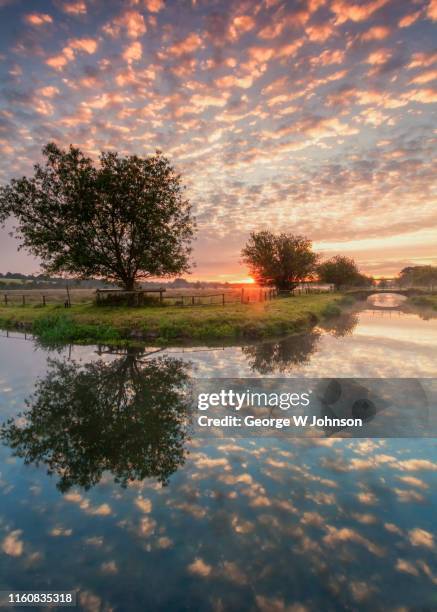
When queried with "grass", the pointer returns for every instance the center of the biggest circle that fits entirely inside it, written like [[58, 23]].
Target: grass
[[86, 323], [430, 301]]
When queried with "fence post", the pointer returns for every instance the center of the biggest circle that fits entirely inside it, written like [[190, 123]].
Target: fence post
[[223, 299], [6, 299], [43, 300], [192, 300], [242, 294], [24, 300], [160, 297]]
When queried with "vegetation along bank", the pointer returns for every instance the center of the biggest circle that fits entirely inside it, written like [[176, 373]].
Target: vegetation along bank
[[87, 323]]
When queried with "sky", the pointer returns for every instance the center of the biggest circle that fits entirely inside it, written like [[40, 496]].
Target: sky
[[315, 117]]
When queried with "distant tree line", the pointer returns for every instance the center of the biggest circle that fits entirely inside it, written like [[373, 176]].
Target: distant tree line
[[16, 280], [419, 276]]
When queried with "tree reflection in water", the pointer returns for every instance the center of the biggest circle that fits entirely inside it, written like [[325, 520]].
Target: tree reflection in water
[[129, 417], [342, 325], [283, 355]]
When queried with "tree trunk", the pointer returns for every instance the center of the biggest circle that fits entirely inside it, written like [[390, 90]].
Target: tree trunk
[[129, 284], [285, 285]]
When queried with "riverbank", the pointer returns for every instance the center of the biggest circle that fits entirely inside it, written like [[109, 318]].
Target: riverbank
[[429, 301], [87, 323]]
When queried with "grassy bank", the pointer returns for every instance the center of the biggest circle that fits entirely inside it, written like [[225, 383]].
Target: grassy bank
[[429, 301], [86, 323]]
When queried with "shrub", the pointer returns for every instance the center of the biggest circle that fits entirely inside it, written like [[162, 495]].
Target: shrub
[[331, 310], [127, 299]]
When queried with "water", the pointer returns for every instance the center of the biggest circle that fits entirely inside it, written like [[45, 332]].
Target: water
[[144, 516]]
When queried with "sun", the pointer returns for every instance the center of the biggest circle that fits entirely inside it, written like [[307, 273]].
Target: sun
[[247, 281]]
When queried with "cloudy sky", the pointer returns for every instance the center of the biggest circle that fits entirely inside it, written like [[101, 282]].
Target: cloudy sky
[[309, 116]]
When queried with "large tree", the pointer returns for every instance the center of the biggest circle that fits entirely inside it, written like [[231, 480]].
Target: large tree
[[123, 220], [282, 261]]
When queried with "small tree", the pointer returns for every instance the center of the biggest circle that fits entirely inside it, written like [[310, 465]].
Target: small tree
[[123, 221], [339, 271], [362, 280], [282, 261]]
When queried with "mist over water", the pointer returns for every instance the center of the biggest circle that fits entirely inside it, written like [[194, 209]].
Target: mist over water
[[146, 515]]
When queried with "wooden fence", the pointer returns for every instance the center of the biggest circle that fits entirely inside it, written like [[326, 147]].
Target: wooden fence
[[36, 299], [141, 297], [65, 299]]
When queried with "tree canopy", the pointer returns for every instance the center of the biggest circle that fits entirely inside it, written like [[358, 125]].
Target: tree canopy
[[124, 220], [282, 261], [418, 275], [340, 271]]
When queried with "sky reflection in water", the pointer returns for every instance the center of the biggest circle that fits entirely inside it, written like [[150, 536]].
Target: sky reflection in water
[[254, 524]]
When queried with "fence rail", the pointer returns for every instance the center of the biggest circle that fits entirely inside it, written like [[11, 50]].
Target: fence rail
[[66, 298], [36, 299]]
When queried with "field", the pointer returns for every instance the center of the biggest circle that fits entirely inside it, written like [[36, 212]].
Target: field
[[34, 297], [171, 296], [87, 323], [184, 297]]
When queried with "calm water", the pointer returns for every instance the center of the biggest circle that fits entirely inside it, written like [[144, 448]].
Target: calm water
[[144, 516]]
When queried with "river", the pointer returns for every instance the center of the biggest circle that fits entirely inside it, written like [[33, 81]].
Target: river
[[147, 516]]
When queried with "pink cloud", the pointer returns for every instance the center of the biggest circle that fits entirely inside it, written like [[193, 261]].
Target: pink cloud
[[425, 77], [432, 10], [346, 10], [240, 25], [188, 45], [59, 61], [314, 5], [154, 6], [376, 33], [290, 49], [48, 92], [74, 8], [133, 52], [425, 96], [38, 19], [261, 54], [130, 21], [86, 45], [319, 33], [376, 58], [82, 45], [230, 81], [43, 107], [106, 100], [280, 24], [423, 60], [408, 20], [328, 57]]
